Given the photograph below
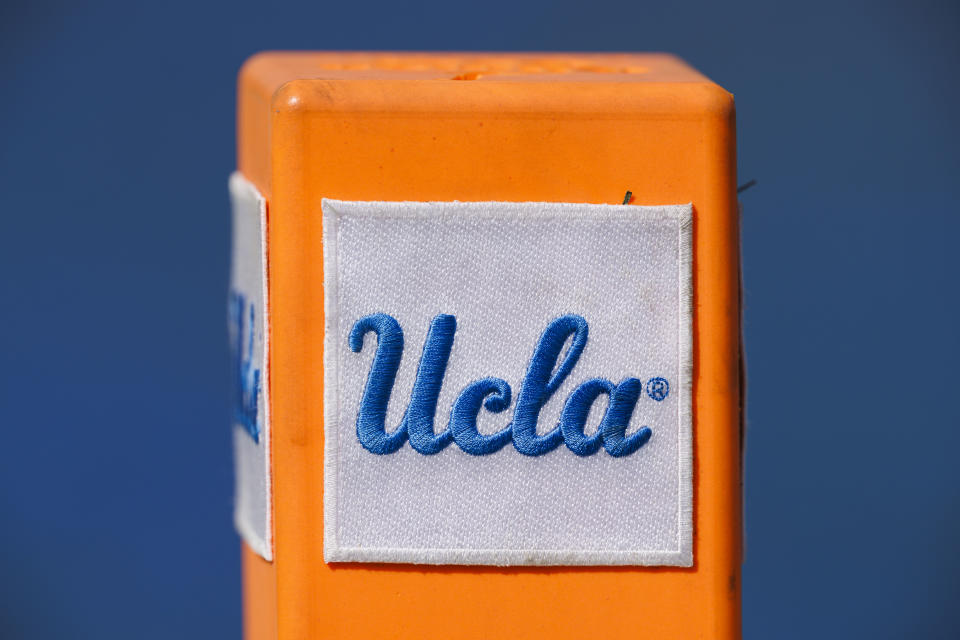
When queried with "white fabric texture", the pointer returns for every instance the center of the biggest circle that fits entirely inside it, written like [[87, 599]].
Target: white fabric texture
[[252, 506], [505, 270]]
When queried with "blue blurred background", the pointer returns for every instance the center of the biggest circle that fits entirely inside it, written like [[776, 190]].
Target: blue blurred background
[[116, 140]]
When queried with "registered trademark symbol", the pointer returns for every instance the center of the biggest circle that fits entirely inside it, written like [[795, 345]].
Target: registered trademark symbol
[[658, 388]]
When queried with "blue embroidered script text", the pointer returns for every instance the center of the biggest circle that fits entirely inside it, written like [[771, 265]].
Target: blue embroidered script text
[[543, 377], [246, 376]]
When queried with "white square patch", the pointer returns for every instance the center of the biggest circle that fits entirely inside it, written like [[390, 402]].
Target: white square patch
[[249, 333], [507, 383]]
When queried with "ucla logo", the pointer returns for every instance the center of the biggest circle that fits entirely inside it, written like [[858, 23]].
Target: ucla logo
[[543, 377], [246, 377]]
